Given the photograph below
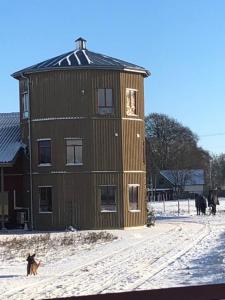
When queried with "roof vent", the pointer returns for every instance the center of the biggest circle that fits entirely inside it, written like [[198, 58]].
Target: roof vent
[[80, 43]]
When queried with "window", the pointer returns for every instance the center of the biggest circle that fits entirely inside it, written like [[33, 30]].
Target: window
[[108, 198], [73, 151], [105, 102], [44, 152], [25, 105], [45, 198], [133, 196], [131, 102]]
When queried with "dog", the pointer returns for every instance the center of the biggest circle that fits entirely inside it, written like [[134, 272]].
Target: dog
[[32, 265]]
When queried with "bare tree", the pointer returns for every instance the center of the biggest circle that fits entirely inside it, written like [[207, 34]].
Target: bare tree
[[170, 145], [217, 170]]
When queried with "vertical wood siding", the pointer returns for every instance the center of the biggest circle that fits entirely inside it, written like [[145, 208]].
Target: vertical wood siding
[[112, 146]]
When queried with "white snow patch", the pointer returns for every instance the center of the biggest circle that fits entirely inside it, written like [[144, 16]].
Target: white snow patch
[[179, 250]]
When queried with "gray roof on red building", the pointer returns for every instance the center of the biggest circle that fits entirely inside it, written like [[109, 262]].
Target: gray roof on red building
[[81, 58], [10, 139]]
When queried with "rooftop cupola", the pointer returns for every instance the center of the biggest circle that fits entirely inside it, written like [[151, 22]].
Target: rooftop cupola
[[80, 44]]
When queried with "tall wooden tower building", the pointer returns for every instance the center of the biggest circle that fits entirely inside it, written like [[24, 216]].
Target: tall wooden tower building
[[82, 119]]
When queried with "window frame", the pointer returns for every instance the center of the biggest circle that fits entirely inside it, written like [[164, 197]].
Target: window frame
[[38, 146], [136, 100], [115, 198], [138, 202], [25, 104], [74, 146], [39, 199], [105, 102]]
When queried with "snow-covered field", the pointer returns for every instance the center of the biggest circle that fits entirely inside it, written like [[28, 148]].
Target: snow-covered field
[[179, 250]]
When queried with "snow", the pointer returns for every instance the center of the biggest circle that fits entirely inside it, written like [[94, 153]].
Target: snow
[[179, 250], [77, 58], [87, 58]]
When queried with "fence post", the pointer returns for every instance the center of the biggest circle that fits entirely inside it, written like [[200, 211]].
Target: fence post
[[178, 202], [164, 206]]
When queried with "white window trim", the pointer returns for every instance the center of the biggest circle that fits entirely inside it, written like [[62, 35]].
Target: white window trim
[[131, 89], [133, 210], [73, 138], [112, 107], [104, 210], [45, 165], [44, 139], [44, 212], [75, 164], [25, 113]]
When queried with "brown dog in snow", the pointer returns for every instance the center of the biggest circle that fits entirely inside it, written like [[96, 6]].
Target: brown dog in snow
[[32, 265]]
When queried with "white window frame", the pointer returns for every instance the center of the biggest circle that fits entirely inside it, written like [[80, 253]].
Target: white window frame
[[133, 210], [25, 105], [102, 110], [44, 164], [104, 210], [129, 107], [44, 186], [78, 163]]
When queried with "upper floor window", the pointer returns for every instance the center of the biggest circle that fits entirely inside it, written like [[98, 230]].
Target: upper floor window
[[108, 198], [25, 105], [105, 101], [44, 151], [133, 196], [74, 151], [45, 199], [131, 102]]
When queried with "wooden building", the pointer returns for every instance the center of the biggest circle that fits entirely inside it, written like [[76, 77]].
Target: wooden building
[[82, 119], [13, 210]]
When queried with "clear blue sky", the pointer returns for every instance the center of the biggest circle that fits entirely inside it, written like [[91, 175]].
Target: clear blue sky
[[182, 43]]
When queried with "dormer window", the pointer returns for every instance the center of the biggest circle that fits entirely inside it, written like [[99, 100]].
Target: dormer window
[[131, 102], [105, 101]]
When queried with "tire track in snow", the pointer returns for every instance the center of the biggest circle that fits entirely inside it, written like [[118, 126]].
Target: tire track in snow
[[137, 276], [16, 292]]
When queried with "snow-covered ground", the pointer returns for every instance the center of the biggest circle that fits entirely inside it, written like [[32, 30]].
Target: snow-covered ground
[[179, 250]]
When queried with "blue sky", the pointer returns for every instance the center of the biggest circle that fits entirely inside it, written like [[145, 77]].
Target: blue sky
[[182, 43]]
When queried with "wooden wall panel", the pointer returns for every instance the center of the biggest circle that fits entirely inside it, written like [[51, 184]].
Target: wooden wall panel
[[107, 219], [106, 152], [59, 93], [112, 146], [133, 138], [135, 218]]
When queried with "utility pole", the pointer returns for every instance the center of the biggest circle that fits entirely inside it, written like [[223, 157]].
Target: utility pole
[[210, 173]]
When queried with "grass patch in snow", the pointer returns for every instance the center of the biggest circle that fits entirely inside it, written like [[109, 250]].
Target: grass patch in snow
[[18, 246]]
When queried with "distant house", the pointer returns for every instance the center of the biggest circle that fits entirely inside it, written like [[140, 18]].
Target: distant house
[[185, 180], [173, 182]]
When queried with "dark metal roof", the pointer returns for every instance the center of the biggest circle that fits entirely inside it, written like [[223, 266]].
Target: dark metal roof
[[192, 177], [82, 58], [10, 141]]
